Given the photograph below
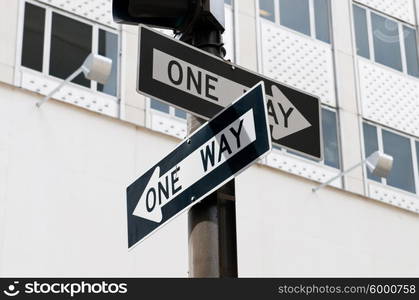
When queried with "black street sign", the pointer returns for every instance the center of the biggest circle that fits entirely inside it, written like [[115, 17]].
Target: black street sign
[[210, 157], [203, 84]]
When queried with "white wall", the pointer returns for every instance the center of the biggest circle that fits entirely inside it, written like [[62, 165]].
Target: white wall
[[63, 175], [284, 229]]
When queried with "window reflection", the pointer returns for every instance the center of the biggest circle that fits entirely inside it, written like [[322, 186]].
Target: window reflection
[[322, 12], [295, 14], [386, 41], [267, 9], [401, 175], [71, 43], [330, 139]]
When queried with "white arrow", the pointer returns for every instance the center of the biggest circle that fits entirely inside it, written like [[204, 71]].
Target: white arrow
[[283, 116], [161, 189], [141, 210], [177, 73]]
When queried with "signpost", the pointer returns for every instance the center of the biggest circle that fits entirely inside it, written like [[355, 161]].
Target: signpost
[[207, 159], [203, 84]]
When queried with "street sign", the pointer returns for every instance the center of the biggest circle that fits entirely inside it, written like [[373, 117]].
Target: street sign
[[218, 151], [203, 84]]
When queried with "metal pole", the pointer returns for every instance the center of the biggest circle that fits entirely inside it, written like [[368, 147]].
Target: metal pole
[[338, 176], [212, 223], [70, 78]]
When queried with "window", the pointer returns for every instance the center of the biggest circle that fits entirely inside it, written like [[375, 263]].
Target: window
[[386, 41], [361, 34], [412, 62], [295, 14], [402, 175], [69, 42], [267, 9], [108, 46], [330, 139], [371, 145], [33, 37], [321, 16], [73, 38], [310, 17], [165, 108]]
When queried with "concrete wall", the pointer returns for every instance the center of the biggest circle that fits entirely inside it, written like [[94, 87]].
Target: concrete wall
[[62, 197], [9, 13], [284, 229], [63, 175]]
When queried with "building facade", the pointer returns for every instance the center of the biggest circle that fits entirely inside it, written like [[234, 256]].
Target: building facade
[[64, 167]]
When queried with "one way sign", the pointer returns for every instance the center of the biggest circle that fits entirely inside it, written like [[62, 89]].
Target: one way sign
[[214, 154], [203, 84]]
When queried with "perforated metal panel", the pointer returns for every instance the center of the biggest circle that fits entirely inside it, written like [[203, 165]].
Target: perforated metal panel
[[164, 123], [298, 61], [389, 97], [401, 9], [99, 11], [78, 96], [301, 167], [397, 198]]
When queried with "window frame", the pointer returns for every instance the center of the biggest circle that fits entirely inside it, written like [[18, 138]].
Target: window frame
[[312, 21], [170, 114], [322, 162], [412, 140], [371, 48], [49, 10]]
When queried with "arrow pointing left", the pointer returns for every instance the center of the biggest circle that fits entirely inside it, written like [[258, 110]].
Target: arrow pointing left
[[160, 190], [218, 151]]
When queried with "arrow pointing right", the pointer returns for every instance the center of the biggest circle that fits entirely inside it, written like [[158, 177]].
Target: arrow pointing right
[[284, 118]]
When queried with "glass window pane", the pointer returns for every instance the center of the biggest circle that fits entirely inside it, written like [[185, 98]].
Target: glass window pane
[[330, 139], [321, 13], [361, 32], [401, 175], [267, 10], [180, 113], [295, 14], [71, 43], [386, 41], [370, 145], [108, 46], [411, 51], [160, 106], [33, 37], [227, 2]]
